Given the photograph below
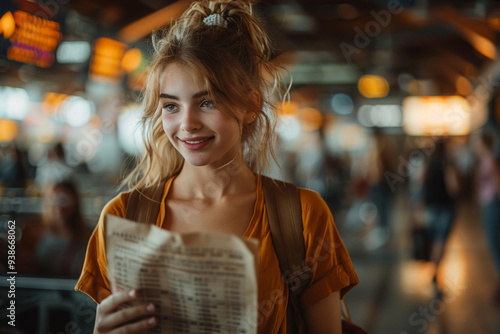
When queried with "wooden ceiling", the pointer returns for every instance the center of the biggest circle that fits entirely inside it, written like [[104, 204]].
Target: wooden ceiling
[[436, 41]]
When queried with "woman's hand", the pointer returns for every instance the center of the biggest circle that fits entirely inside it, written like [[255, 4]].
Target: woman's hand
[[112, 319]]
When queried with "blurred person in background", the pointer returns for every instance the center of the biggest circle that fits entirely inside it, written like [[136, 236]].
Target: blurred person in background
[[380, 193], [421, 242], [54, 169], [463, 155], [440, 190], [12, 171], [60, 250], [488, 182]]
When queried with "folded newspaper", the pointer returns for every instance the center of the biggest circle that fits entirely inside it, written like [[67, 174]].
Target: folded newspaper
[[200, 282]]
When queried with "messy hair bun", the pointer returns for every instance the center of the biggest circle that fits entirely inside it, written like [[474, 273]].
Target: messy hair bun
[[225, 44]]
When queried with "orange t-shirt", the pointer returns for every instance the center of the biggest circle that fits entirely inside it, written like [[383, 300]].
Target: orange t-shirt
[[325, 254]]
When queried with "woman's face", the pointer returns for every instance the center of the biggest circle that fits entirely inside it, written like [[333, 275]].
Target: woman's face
[[197, 129], [62, 204]]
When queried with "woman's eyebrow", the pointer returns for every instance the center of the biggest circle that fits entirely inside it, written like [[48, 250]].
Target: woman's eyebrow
[[168, 96], [173, 97], [200, 94]]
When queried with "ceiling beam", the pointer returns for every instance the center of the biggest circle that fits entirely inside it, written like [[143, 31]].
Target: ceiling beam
[[144, 26]]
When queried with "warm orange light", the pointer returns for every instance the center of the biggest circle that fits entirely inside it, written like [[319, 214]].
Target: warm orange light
[[7, 25], [8, 130], [310, 118], [478, 38], [143, 27], [131, 60], [107, 58], [416, 278], [463, 85], [52, 102], [493, 20], [483, 45], [289, 109], [373, 86]]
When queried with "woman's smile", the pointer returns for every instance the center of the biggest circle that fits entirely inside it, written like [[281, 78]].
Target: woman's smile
[[196, 143]]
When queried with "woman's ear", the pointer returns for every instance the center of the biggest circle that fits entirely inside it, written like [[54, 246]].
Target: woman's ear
[[251, 115]]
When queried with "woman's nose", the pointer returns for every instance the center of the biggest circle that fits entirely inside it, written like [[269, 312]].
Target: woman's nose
[[190, 120]]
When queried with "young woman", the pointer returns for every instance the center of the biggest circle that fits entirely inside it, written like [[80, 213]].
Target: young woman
[[208, 127]]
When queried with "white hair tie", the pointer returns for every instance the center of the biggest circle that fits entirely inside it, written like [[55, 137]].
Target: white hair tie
[[215, 20]]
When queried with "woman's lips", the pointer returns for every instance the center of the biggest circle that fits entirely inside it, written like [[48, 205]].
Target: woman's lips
[[196, 143]]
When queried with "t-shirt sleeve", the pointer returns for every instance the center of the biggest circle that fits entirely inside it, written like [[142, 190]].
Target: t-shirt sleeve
[[325, 252], [94, 277]]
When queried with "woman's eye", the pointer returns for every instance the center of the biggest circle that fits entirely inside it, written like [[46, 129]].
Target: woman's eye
[[208, 104], [170, 107]]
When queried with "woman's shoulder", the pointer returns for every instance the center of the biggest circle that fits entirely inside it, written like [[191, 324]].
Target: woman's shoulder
[[311, 201], [117, 205]]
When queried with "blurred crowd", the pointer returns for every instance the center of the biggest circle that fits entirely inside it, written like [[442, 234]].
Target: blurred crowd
[[436, 174]]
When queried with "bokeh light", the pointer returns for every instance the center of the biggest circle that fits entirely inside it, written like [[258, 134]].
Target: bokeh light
[[131, 60], [15, 103], [373, 86], [342, 104], [129, 130], [8, 130], [77, 111], [7, 25]]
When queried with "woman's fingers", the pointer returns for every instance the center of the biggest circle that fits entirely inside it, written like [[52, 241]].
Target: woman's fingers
[[113, 319], [126, 316], [114, 300], [136, 327]]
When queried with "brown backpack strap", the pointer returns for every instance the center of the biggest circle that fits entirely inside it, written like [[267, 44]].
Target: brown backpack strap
[[143, 205], [285, 222]]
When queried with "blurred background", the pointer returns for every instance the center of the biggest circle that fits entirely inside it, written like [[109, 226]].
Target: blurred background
[[393, 118]]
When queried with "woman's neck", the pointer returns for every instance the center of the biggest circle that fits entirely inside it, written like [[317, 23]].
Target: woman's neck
[[207, 182]]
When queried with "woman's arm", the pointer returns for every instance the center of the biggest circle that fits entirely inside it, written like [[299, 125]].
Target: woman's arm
[[324, 317]]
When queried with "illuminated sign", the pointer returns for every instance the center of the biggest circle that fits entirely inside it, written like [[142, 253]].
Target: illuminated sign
[[436, 115], [106, 60], [34, 40]]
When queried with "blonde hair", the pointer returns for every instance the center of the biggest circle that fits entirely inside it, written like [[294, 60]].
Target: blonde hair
[[235, 61]]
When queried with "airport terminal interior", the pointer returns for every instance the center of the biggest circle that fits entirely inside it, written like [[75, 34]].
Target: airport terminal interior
[[392, 116]]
